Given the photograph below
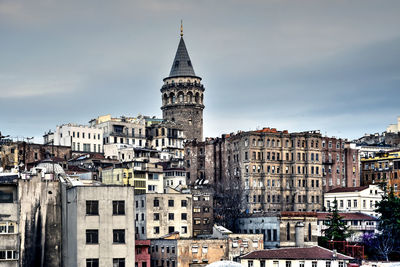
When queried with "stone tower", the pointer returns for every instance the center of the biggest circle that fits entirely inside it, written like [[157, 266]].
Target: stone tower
[[182, 95]]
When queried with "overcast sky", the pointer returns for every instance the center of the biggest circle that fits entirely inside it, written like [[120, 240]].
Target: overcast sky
[[296, 65]]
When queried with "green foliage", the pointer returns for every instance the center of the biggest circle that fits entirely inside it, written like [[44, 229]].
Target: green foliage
[[389, 208], [337, 229]]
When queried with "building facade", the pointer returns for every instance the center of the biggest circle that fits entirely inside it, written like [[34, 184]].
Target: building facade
[[340, 164], [382, 169], [81, 138], [355, 199], [161, 214], [182, 95], [98, 225], [358, 224]]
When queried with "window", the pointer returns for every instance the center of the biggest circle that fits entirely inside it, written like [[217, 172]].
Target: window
[[8, 255], [156, 230], [184, 216], [205, 249], [7, 227], [301, 264], [156, 202], [92, 207], [327, 264], [170, 216], [183, 203], [287, 232], [195, 249], [119, 262], [171, 229], [156, 216], [196, 210], [92, 262], [341, 264], [355, 203], [314, 264], [184, 229], [170, 203], [118, 207], [119, 236], [288, 264], [92, 236], [250, 264]]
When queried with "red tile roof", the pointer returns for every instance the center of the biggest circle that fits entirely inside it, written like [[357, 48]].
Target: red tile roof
[[348, 216], [348, 189], [309, 253]]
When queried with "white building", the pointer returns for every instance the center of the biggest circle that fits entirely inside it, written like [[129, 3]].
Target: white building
[[175, 178], [358, 224], [98, 225], [354, 199], [394, 128], [295, 257], [123, 130], [78, 137]]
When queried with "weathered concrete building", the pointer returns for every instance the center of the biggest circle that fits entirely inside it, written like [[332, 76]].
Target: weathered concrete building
[[298, 229], [9, 221], [30, 221], [182, 95], [203, 215], [98, 225], [161, 214], [259, 223]]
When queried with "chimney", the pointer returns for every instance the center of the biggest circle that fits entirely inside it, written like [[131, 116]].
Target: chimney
[[299, 234]]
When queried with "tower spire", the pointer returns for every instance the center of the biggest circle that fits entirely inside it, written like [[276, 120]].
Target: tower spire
[[181, 28]]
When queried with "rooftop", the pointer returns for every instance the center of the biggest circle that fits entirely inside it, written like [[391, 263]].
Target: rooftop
[[348, 189], [309, 253], [347, 216]]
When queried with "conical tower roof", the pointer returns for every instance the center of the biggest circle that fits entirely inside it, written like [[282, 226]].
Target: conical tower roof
[[182, 65]]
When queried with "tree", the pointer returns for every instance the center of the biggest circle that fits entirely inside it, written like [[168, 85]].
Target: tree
[[228, 203], [387, 240], [337, 229]]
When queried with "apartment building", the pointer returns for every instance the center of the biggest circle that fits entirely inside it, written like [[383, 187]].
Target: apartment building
[[161, 214], [383, 169], [98, 225], [203, 215], [81, 138], [358, 224], [355, 199], [167, 137], [340, 164], [122, 130], [278, 170], [146, 177]]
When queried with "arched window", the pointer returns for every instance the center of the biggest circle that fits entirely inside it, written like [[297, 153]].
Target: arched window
[[172, 98], [180, 97], [288, 231], [309, 231], [165, 99], [197, 98], [190, 97]]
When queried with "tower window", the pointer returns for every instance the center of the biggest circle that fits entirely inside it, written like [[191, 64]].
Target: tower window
[[176, 64], [189, 63]]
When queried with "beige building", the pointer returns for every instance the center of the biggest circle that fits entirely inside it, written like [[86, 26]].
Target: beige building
[[161, 214], [280, 171], [98, 225], [298, 229], [287, 257], [355, 199]]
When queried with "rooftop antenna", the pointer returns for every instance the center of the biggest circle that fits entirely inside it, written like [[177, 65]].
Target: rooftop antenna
[[181, 28]]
